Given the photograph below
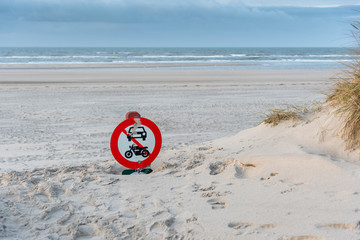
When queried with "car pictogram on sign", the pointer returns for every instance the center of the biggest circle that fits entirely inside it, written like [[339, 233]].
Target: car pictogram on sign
[[138, 132]]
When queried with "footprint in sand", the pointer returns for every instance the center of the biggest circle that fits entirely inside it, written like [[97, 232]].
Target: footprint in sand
[[217, 203], [208, 192], [42, 198], [304, 237], [219, 166], [240, 225], [244, 170], [85, 231], [204, 148], [199, 188], [162, 225], [245, 228], [58, 213], [345, 226]]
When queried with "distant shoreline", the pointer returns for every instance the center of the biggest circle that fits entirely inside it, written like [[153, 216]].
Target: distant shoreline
[[65, 66], [154, 66], [129, 76]]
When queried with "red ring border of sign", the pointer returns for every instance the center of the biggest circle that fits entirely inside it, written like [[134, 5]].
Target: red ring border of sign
[[115, 137]]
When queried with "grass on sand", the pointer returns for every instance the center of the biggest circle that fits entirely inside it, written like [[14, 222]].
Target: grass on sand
[[345, 96], [278, 115]]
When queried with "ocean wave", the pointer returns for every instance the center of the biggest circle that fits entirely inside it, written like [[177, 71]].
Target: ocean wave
[[53, 57], [247, 61], [211, 56], [180, 56], [232, 57]]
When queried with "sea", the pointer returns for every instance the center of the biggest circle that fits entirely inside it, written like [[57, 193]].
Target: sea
[[206, 58]]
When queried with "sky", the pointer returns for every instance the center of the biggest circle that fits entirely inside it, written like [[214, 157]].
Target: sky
[[177, 23]]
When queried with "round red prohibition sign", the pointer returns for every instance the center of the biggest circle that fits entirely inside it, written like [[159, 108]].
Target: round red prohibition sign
[[137, 147]]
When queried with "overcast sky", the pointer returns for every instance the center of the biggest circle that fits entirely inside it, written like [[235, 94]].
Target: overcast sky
[[177, 23]]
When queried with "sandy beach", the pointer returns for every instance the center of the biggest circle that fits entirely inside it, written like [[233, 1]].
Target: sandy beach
[[221, 174], [66, 116]]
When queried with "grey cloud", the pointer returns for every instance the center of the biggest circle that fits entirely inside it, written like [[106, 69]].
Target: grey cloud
[[144, 11], [167, 23], [109, 11], [300, 3]]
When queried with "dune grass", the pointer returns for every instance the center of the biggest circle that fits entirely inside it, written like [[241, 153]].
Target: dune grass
[[293, 113], [345, 96]]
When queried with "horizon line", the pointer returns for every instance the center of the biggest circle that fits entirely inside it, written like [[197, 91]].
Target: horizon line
[[174, 47]]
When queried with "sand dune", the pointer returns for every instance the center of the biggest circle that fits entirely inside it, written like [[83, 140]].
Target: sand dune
[[285, 182]]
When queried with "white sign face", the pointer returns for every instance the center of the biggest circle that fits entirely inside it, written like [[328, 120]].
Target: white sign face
[[137, 144]]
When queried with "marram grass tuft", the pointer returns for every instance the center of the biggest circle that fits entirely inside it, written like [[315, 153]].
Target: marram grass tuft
[[278, 115], [345, 97]]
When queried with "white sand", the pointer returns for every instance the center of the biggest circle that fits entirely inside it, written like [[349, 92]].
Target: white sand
[[67, 116], [293, 181]]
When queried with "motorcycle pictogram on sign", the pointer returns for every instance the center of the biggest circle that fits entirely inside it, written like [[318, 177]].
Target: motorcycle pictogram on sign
[[137, 151]]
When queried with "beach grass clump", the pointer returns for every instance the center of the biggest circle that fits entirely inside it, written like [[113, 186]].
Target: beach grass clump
[[278, 115], [345, 97]]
